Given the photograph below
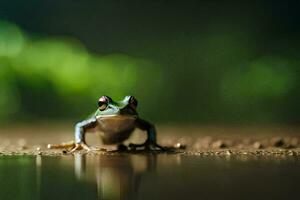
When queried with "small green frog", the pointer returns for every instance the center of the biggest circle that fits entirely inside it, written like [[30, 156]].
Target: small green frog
[[115, 121]]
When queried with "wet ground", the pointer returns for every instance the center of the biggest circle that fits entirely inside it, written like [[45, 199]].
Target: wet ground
[[201, 140], [218, 163]]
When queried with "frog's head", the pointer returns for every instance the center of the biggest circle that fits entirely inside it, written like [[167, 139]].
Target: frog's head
[[108, 107]]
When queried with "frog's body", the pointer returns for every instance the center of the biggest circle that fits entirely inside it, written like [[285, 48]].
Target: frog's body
[[115, 121], [115, 129]]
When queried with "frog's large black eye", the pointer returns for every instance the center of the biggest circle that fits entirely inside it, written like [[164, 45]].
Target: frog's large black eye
[[133, 102], [102, 105], [103, 102]]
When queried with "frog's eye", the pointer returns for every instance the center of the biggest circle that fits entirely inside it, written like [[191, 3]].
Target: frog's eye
[[133, 102], [103, 102], [102, 105]]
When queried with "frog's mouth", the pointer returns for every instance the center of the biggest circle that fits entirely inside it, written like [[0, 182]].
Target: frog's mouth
[[117, 116]]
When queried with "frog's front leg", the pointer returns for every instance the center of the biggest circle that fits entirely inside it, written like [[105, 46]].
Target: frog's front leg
[[80, 130], [150, 142]]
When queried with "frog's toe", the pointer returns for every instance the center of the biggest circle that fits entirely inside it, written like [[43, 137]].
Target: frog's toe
[[75, 148], [159, 147], [80, 146], [149, 146], [135, 146], [154, 146], [86, 147]]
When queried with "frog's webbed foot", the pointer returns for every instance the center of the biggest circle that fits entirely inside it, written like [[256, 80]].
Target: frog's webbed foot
[[79, 146], [70, 145], [148, 145]]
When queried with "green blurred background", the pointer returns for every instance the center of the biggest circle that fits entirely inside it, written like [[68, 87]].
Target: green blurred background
[[185, 61]]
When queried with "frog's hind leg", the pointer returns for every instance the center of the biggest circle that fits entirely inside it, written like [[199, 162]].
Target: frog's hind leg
[[150, 143], [122, 147]]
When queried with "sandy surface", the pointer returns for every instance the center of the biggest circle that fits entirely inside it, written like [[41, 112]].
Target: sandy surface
[[279, 141]]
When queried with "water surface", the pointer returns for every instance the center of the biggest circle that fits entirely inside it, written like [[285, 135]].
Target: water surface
[[148, 177]]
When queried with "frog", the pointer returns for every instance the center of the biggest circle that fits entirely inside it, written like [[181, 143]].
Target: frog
[[115, 121]]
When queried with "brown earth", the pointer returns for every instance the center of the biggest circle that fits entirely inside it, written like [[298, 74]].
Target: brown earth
[[260, 141]]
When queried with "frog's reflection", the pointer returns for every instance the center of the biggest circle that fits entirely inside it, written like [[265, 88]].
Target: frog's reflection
[[116, 176]]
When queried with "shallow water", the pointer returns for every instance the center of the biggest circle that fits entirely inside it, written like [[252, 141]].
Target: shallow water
[[148, 177]]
